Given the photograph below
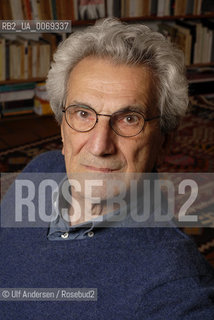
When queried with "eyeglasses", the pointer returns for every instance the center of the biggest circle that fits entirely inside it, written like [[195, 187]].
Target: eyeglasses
[[126, 123]]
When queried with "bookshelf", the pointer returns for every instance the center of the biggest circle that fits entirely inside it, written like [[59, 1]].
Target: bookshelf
[[149, 18], [158, 12], [14, 81]]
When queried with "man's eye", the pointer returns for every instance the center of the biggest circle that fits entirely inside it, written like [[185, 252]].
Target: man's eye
[[131, 119], [82, 114]]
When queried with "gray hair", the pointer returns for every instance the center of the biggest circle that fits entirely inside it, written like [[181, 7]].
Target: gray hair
[[128, 44]]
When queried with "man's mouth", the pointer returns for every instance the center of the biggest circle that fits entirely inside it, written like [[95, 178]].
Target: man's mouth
[[100, 169]]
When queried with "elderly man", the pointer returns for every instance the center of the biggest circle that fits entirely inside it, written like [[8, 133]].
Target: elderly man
[[117, 91]]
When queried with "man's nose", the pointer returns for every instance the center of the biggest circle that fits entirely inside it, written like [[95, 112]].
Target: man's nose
[[102, 138]]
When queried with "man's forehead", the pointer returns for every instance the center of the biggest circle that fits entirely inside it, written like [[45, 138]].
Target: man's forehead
[[106, 69], [122, 85]]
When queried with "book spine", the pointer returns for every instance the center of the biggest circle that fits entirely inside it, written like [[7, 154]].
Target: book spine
[[110, 10], [154, 7], [16, 8], [76, 11], [7, 61], [19, 104], [117, 8], [17, 87], [167, 8], [35, 13], [2, 59], [28, 9], [16, 95], [160, 10], [6, 10], [189, 7]]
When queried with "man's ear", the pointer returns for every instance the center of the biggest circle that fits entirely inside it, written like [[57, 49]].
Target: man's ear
[[62, 137], [168, 139]]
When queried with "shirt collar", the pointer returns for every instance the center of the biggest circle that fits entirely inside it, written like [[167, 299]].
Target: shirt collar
[[59, 226]]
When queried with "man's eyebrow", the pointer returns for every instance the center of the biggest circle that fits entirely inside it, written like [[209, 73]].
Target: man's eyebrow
[[78, 103], [134, 108]]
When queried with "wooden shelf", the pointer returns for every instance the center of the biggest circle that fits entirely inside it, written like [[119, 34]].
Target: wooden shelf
[[149, 18], [186, 17], [202, 65], [22, 80]]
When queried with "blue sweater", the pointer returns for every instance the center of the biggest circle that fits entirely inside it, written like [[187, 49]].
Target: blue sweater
[[139, 273]]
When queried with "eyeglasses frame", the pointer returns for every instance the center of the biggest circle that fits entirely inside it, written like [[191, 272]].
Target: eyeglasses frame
[[106, 115]]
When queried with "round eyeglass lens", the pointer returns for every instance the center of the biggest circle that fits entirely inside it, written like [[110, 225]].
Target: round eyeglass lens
[[80, 119], [127, 124]]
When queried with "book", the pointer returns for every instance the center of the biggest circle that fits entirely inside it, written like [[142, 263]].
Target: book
[[17, 87], [30, 72], [191, 26], [210, 24], [17, 95], [1, 12], [59, 9], [41, 13], [65, 10], [123, 9], [110, 8], [195, 8], [45, 10], [24, 57], [139, 9], [210, 34], [75, 6], [82, 9], [17, 111], [2, 59], [7, 60], [172, 7], [52, 40], [34, 10], [207, 7], [127, 4], [199, 7], [180, 36], [183, 40], [91, 9], [205, 45], [6, 10], [41, 103], [18, 104], [44, 58], [35, 58], [189, 7], [167, 8], [198, 43], [160, 8], [13, 54], [16, 9], [180, 7], [153, 7], [117, 8], [146, 8], [53, 9], [27, 9]]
